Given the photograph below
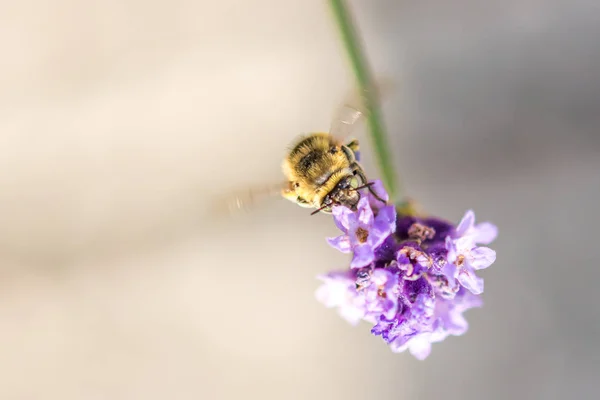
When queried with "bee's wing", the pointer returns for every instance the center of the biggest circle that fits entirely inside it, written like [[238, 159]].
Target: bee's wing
[[345, 121], [246, 199], [353, 109]]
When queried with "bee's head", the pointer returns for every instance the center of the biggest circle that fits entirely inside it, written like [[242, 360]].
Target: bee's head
[[345, 193]]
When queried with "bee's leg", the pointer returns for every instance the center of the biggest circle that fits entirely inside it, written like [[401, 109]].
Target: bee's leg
[[289, 193], [361, 174], [353, 145], [303, 203]]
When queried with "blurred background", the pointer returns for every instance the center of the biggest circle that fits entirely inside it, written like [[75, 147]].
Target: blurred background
[[121, 120]]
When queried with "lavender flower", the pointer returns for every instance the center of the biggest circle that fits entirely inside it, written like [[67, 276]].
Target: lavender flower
[[363, 231], [464, 257], [411, 278], [378, 298]]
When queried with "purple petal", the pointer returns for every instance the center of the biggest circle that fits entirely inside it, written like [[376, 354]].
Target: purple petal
[[385, 221], [341, 243], [398, 345], [420, 347], [465, 223], [378, 306], [485, 233], [470, 282], [379, 232], [482, 257], [384, 328], [451, 317], [402, 259], [456, 324], [388, 215], [364, 212], [450, 312], [381, 276], [338, 291], [386, 279], [352, 315], [334, 291], [463, 244], [390, 307], [450, 271], [467, 300], [363, 255], [378, 188], [340, 217], [452, 250]]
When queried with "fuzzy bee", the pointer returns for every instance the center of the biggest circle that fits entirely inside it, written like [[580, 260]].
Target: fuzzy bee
[[321, 169]]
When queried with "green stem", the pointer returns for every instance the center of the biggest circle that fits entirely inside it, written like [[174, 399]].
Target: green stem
[[366, 85]]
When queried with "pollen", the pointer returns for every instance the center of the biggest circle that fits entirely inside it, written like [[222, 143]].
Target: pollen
[[362, 235], [420, 232], [415, 255]]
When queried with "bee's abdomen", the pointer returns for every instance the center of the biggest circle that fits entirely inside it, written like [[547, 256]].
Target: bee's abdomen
[[308, 153], [307, 161], [315, 141]]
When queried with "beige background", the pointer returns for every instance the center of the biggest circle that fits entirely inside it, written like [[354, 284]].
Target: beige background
[[121, 120]]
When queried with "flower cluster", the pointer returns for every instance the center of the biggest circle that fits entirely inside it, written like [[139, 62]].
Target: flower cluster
[[411, 278]]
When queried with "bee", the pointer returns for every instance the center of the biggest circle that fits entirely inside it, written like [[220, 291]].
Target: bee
[[322, 172], [321, 169]]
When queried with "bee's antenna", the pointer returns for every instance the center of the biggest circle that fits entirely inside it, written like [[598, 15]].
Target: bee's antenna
[[368, 185], [365, 185], [318, 209]]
